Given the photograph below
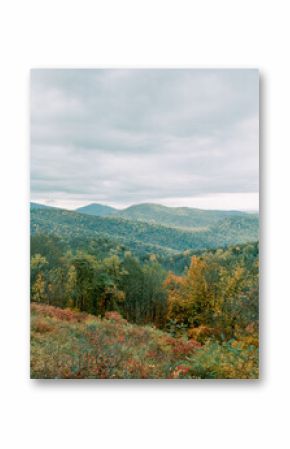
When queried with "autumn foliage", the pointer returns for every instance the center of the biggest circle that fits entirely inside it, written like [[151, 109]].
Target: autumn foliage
[[67, 344], [121, 317]]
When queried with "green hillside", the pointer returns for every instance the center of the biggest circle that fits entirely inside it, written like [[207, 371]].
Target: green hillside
[[182, 217], [142, 236], [99, 210], [38, 206]]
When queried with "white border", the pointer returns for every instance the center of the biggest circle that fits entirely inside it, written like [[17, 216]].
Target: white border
[[144, 33]]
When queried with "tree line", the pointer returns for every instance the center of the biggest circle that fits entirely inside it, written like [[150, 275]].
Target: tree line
[[216, 294]]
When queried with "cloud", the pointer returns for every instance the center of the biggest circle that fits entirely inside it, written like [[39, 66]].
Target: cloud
[[129, 136]]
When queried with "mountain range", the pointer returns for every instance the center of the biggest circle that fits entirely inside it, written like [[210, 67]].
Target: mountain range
[[148, 228], [182, 217]]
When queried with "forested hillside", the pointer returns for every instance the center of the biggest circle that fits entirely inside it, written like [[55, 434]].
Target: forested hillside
[[182, 217], [142, 236], [197, 290], [99, 210]]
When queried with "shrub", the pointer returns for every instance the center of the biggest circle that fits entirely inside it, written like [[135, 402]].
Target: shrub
[[41, 326]]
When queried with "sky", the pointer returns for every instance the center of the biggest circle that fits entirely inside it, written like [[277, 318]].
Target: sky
[[179, 137]]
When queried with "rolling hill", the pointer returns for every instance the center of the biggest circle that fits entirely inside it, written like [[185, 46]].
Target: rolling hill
[[38, 206], [181, 217], [141, 236], [99, 210]]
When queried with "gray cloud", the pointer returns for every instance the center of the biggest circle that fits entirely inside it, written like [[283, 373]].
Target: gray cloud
[[126, 136]]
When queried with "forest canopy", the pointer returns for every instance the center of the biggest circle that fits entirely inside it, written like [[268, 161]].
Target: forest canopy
[[183, 282]]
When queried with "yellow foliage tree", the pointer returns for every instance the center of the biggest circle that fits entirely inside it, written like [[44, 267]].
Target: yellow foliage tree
[[188, 296], [38, 288]]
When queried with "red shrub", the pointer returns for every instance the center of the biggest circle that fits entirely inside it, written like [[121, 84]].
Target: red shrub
[[180, 371], [114, 316]]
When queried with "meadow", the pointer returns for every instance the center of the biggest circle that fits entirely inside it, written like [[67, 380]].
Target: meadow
[[73, 345]]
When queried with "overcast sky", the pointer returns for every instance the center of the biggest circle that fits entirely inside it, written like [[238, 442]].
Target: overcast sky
[[121, 137]]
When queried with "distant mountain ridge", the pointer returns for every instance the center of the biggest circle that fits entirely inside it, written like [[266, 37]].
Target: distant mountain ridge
[[38, 206], [99, 210], [142, 236], [181, 217]]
